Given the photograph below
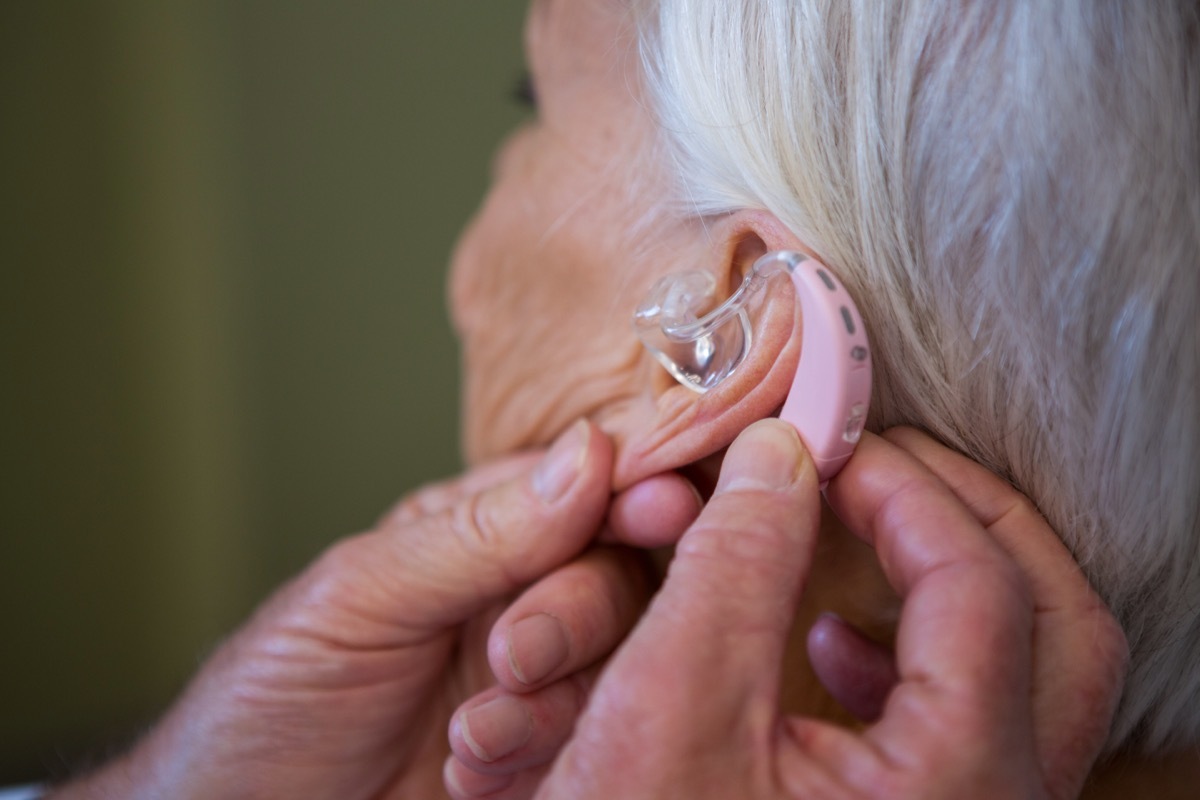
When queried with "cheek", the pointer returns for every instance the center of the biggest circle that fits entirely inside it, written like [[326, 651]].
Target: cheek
[[496, 279], [536, 300], [492, 232]]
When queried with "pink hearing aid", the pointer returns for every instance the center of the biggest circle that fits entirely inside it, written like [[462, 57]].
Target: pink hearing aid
[[831, 392]]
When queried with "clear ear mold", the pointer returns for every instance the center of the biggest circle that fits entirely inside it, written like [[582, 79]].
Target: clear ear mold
[[700, 348]]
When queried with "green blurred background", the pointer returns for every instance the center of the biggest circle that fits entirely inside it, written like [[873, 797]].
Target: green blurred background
[[223, 246]]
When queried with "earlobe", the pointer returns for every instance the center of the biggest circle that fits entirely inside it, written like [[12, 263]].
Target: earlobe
[[685, 427]]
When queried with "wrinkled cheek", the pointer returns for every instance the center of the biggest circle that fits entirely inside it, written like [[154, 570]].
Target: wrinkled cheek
[[472, 313], [510, 372], [486, 301], [472, 424]]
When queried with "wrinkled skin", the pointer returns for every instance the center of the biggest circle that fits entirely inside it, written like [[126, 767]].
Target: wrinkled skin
[[545, 278], [343, 684], [569, 238]]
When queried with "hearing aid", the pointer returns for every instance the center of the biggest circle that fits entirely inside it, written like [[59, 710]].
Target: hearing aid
[[831, 391]]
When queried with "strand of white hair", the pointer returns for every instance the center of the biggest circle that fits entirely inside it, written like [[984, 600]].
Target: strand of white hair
[[1012, 193]]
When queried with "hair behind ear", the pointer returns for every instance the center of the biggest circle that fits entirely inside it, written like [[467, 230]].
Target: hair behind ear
[[1012, 194]]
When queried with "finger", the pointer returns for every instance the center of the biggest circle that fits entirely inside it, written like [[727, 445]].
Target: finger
[[857, 672], [699, 676], [963, 648], [1081, 652], [654, 512], [499, 733], [1006, 514], [717, 629], [434, 572], [568, 620], [439, 496]]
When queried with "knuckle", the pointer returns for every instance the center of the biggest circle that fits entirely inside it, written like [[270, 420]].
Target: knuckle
[[474, 524], [1018, 513], [336, 592], [424, 501], [753, 527], [407, 510], [904, 502], [755, 542], [339, 563], [906, 437], [750, 567], [494, 528]]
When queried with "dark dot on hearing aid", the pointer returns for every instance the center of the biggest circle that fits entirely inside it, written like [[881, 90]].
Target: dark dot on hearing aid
[[828, 281], [849, 320]]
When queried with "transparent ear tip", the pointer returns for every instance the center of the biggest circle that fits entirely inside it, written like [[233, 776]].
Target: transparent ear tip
[[698, 346], [672, 326], [705, 361], [676, 300]]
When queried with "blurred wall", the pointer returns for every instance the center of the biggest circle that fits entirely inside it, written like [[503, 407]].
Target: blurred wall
[[223, 246]]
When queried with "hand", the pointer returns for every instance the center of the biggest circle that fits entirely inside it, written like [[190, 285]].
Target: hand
[[1006, 672], [342, 684]]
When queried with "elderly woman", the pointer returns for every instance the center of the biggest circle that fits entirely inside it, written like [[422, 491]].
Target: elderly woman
[[1013, 197]]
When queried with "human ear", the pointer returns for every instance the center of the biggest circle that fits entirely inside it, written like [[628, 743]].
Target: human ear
[[685, 427]]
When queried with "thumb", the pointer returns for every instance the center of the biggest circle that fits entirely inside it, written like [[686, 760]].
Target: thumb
[[434, 571], [697, 682], [730, 597]]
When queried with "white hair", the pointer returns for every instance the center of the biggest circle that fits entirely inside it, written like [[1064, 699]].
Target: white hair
[[1012, 193]]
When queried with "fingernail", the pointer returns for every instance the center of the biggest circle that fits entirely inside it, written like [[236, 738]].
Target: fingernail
[[766, 456], [560, 467], [496, 728], [537, 645]]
